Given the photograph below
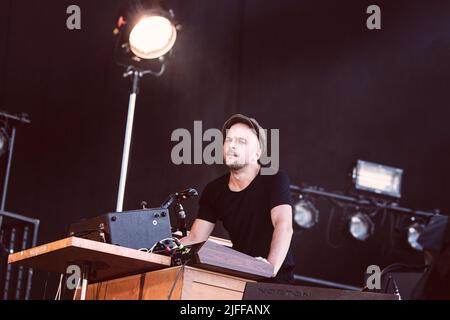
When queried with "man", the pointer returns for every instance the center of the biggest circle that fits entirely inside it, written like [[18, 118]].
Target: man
[[255, 209]]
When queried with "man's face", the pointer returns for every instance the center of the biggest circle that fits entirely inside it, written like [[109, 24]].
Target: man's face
[[241, 147]]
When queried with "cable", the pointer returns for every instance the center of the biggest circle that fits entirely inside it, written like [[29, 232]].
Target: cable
[[45, 285], [152, 248], [386, 246], [176, 279], [328, 231], [374, 213], [397, 266], [177, 241], [58, 292], [76, 288], [391, 232], [383, 220]]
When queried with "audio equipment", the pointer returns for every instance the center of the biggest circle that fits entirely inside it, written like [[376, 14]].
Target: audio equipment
[[134, 229]]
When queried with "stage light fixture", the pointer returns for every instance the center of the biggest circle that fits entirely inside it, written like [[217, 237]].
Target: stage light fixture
[[414, 231], [306, 214], [361, 226], [152, 37], [377, 178], [146, 32]]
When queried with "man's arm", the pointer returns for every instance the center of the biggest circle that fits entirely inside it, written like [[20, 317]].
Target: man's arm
[[282, 234], [200, 231]]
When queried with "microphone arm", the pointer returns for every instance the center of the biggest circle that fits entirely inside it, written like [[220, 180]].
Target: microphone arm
[[181, 214], [178, 196]]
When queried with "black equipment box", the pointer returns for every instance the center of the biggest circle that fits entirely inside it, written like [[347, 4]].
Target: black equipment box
[[132, 229]]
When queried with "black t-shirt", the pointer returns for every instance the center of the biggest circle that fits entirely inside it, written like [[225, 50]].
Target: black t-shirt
[[246, 214]]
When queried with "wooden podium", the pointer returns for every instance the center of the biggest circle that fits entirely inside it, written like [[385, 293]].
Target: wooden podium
[[220, 273], [97, 261], [176, 283], [111, 272]]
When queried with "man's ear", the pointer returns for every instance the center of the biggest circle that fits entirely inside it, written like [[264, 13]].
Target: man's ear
[[259, 152]]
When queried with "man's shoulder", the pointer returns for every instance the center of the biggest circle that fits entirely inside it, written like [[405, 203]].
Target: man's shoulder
[[280, 175]]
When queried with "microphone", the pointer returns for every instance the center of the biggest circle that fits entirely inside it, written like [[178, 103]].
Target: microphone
[[181, 215], [181, 195]]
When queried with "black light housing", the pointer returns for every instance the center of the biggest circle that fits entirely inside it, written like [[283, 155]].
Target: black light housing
[[361, 227], [306, 215], [377, 179], [146, 31]]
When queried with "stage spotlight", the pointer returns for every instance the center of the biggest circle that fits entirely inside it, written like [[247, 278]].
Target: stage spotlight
[[414, 231], [306, 214], [152, 37], [146, 31], [361, 226], [4, 139], [377, 178]]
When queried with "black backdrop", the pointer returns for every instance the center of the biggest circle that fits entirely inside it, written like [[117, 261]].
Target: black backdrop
[[337, 91]]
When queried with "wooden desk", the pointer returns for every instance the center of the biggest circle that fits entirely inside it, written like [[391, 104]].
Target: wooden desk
[[118, 273], [176, 283], [106, 261]]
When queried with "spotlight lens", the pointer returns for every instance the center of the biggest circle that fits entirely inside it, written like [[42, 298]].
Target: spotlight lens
[[302, 216], [414, 233], [305, 214], [152, 37], [3, 142], [359, 228]]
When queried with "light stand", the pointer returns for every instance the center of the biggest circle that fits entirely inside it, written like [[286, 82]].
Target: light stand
[[146, 32], [136, 76]]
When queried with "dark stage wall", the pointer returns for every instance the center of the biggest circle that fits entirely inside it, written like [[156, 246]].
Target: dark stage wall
[[337, 91]]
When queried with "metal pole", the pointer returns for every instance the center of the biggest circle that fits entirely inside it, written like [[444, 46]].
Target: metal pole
[[8, 168], [128, 132], [84, 281], [359, 202]]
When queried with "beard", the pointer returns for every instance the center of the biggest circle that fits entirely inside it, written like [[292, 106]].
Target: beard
[[235, 166]]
